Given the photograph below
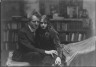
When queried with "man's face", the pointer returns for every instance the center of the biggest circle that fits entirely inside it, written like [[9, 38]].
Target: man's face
[[34, 23], [43, 25]]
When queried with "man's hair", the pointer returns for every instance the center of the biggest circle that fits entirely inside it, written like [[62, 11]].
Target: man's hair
[[35, 13]]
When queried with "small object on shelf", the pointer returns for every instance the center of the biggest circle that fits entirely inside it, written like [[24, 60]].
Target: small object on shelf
[[86, 22], [16, 17], [20, 18], [72, 11], [56, 16], [83, 13]]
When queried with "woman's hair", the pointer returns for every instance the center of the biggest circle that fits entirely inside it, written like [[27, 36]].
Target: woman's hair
[[45, 18]]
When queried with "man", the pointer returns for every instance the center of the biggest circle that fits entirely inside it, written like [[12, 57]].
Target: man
[[47, 39], [28, 50]]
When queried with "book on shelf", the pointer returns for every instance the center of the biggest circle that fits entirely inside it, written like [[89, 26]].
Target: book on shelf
[[76, 37], [14, 26], [13, 37], [18, 25], [69, 37], [16, 38], [6, 46], [84, 36], [9, 26], [58, 26], [64, 26], [66, 37], [79, 37], [6, 39], [72, 37], [6, 36]]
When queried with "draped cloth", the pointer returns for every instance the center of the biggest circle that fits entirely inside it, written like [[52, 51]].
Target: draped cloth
[[70, 51]]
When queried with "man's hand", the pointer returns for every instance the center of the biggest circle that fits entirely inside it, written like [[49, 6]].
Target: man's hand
[[58, 61], [51, 52]]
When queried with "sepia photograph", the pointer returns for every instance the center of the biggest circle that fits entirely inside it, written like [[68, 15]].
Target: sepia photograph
[[48, 33]]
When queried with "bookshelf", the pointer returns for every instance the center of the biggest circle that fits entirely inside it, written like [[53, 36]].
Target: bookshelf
[[70, 30], [10, 40], [10, 30]]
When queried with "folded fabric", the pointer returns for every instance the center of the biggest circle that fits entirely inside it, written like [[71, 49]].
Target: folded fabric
[[73, 49]]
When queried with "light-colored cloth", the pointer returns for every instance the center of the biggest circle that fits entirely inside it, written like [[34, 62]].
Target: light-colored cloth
[[73, 49], [10, 62]]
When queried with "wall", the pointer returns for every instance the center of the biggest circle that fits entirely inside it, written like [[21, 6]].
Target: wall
[[11, 8], [16, 8], [90, 6], [88, 59], [30, 5]]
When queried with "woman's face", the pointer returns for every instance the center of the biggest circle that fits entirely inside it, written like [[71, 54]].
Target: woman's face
[[43, 25]]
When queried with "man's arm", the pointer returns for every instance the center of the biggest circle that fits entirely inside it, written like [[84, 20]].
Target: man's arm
[[24, 40]]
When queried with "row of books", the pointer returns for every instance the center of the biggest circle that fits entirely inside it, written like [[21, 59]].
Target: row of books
[[12, 26], [72, 37], [10, 36], [67, 26], [10, 40], [62, 26]]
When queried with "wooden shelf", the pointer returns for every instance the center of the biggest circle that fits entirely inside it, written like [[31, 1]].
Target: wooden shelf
[[11, 29], [70, 29], [10, 42], [66, 20], [73, 31]]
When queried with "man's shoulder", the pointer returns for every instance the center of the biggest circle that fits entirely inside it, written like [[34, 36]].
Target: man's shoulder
[[24, 29]]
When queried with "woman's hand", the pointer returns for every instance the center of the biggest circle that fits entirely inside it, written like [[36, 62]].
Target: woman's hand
[[51, 52]]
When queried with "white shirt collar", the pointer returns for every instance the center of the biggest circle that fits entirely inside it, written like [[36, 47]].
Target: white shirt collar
[[32, 30]]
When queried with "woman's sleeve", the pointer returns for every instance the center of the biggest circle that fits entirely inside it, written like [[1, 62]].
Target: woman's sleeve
[[57, 43]]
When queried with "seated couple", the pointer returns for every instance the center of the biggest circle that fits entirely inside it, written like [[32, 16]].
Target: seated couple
[[39, 43]]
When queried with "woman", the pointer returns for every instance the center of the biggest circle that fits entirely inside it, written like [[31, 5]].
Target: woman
[[47, 39]]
